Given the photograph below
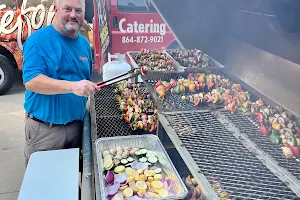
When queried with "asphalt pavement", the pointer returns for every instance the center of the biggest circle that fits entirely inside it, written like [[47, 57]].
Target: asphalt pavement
[[12, 163]]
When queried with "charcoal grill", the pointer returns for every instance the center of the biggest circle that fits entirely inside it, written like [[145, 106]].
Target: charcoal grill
[[213, 151]]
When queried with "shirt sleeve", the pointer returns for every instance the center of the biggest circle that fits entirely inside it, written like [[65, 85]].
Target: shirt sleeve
[[33, 63]]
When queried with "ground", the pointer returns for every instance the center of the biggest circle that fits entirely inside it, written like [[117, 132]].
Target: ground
[[12, 163]]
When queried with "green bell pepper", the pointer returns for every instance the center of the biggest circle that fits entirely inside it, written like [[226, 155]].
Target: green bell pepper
[[275, 137]]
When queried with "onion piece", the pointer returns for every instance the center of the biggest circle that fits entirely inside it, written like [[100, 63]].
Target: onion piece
[[154, 167], [133, 186], [109, 178], [118, 196], [135, 198], [137, 165], [121, 178], [146, 196], [112, 189], [165, 183]]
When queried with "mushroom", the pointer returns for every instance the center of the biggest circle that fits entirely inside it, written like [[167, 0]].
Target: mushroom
[[119, 157], [113, 151], [116, 161], [124, 155], [287, 152], [119, 149]]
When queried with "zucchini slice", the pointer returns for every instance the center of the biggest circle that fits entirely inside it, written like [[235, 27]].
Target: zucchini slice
[[130, 159], [152, 159], [143, 151], [158, 171], [143, 159], [124, 161]]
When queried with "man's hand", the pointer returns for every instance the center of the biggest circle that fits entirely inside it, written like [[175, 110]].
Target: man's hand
[[85, 88]]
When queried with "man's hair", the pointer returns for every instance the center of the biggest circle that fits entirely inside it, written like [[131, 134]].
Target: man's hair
[[82, 1]]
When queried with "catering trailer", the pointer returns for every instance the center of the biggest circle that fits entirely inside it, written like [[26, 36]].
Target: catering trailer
[[225, 109], [242, 146]]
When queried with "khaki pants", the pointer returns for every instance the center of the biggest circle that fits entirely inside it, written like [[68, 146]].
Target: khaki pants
[[42, 137]]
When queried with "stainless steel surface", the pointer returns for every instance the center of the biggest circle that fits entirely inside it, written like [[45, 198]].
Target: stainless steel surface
[[87, 189], [94, 136], [280, 170], [276, 77], [248, 129], [257, 41], [207, 190], [149, 142], [177, 67], [219, 154], [213, 64]]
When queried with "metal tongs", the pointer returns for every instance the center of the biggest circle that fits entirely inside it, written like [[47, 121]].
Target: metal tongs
[[130, 74]]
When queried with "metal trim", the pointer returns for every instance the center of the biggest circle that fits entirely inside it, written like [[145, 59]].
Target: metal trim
[[94, 137], [87, 178], [285, 176], [208, 192]]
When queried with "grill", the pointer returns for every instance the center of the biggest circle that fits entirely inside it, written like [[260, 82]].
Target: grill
[[250, 128], [224, 160], [108, 116]]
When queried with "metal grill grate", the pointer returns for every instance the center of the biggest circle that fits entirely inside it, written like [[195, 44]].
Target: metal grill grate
[[221, 157], [108, 116], [107, 107], [112, 126], [248, 126]]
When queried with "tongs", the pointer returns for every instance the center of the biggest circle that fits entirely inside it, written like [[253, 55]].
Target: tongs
[[130, 74]]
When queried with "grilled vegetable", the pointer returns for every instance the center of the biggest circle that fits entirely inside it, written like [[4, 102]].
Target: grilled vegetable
[[136, 105], [154, 60]]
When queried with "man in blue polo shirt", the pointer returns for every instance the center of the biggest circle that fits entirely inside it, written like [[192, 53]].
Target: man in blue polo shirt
[[57, 70]]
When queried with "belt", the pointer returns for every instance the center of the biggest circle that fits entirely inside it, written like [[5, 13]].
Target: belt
[[48, 123]]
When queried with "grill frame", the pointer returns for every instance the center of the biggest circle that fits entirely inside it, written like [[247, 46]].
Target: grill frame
[[250, 147]]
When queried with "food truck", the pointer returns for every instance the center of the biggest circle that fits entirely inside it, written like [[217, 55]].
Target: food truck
[[217, 119]]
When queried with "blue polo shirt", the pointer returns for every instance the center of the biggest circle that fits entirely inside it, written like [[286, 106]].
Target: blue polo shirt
[[50, 53]]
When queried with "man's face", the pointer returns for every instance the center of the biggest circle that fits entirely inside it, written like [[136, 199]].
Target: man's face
[[70, 16]]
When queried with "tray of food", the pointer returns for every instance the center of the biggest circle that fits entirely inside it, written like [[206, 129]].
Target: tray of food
[[193, 60], [137, 167], [193, 91], [153, 61]]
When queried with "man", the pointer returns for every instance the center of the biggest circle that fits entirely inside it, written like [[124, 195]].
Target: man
[[57, 69]]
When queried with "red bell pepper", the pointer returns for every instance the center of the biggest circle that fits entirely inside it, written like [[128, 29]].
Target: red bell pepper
[[259, 117], [292, 144], [153, 127], [264, 131]]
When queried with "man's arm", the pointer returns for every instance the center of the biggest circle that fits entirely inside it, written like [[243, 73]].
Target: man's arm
[[45, 85]]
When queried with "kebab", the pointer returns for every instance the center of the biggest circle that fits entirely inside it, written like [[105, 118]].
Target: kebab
[[153, 60], [136, 106], [191, 58]]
